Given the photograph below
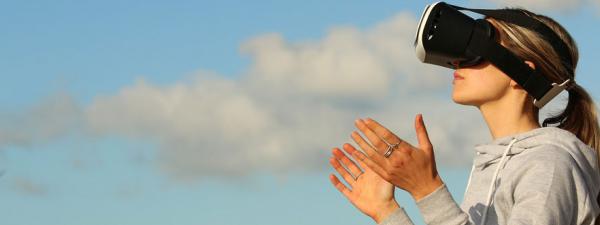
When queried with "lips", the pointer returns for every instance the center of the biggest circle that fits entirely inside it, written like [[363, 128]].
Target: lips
[[458, 77]]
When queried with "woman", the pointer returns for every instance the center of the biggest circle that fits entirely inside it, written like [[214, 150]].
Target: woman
[[528, 174]]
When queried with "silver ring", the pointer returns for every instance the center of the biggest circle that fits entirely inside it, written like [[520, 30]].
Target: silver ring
[[390, 149], [356, 178]]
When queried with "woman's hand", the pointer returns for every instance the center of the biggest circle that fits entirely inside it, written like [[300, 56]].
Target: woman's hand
[[371, 194], [407, 167]]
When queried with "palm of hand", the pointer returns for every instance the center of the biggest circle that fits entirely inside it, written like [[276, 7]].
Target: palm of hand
[[370, 190], [369, 193]]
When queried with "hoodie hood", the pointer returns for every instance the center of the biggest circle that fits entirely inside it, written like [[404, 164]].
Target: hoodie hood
[[501, 149], [491, 152]]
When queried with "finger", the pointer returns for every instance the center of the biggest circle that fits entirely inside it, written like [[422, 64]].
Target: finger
[[384, 133], [422, 136], [350, 149], [362, 143], [371, 164], [340, 186], [370, 151], [340, 156], [342, 171], [379, 144]]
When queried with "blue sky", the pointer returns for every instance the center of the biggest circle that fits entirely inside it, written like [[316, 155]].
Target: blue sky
[[93, 134]]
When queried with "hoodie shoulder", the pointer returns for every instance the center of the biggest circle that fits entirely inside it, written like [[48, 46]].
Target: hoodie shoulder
[[560, 150], [556, 139], [548, 155]]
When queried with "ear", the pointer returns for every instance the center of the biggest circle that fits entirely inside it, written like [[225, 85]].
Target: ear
[[514, 84]]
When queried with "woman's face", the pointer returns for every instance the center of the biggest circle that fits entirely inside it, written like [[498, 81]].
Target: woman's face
[[479, 84]]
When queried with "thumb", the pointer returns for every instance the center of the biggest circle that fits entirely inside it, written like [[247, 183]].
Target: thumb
[[422, 136]]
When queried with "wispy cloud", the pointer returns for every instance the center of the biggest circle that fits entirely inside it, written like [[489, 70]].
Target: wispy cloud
[[54, 117], [548, 6], [543, 5], [128, 191], [597, 4], [27, 187]]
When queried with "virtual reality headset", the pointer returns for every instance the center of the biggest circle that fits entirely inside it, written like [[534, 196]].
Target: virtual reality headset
[[449, 38]]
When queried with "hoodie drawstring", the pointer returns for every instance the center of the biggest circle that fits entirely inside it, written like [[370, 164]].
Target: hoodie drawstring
[[493, 184], [469, 181]]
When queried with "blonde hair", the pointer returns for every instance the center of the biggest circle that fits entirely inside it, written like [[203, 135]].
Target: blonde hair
[[580, 116]]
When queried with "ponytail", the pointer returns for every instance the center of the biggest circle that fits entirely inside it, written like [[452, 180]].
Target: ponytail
[[580, 117]]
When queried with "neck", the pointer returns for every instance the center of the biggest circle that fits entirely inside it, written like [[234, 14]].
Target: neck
[[507, 117]]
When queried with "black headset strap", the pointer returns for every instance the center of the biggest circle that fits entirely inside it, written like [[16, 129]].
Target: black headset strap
[[521, 19], [535, 84]]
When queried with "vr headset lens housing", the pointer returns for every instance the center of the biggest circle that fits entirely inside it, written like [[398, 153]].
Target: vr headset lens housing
[[443, 36], [449, 38]]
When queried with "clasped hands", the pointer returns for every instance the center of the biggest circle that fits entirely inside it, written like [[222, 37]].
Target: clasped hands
[[372, 181]]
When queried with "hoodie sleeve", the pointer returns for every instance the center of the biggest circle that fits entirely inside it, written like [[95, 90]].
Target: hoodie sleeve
[[398, 217], [437, 208], [440, 208]]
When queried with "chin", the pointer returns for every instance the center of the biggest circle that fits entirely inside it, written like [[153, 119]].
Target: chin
[[461, 100], [467, 101]]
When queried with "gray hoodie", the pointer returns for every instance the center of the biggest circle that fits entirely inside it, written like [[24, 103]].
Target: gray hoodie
[[543, 176]]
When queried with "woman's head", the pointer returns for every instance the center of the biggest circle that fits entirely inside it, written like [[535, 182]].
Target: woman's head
[[485, 83]]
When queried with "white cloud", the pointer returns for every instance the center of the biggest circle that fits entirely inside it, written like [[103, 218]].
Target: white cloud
[[294, 103], [547, 6], [216, 127], [542, 5], [347, 62]]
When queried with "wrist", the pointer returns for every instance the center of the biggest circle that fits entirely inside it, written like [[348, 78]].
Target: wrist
[[385, 211], [427, 189]]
